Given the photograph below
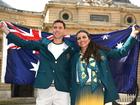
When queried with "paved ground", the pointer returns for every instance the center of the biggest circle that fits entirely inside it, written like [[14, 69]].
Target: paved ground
[[18, 101], [28, 101]]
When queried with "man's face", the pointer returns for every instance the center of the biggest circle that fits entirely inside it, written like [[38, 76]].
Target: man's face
[[58, 30]]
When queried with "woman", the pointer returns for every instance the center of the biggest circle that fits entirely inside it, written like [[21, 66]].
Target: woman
[[92, 83]]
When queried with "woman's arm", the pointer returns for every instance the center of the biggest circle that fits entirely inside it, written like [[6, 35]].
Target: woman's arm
[[131, 41]]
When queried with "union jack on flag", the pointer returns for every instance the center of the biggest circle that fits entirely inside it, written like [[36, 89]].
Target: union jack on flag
[[27, 33]]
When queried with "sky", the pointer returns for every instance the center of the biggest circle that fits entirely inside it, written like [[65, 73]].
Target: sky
[[38, 5]]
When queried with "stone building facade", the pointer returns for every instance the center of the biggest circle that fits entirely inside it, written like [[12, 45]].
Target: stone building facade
[[96, 16]]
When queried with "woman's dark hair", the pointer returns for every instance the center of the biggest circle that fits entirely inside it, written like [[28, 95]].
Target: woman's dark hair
[[60, 21], [92, 49]]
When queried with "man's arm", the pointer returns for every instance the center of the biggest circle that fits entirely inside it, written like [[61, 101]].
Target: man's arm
[[34, 45]]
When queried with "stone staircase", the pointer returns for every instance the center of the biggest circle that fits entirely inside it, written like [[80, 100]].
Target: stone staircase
[[18, 101]]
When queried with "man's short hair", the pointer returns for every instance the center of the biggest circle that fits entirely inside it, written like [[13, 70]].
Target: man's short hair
[[60, 21]]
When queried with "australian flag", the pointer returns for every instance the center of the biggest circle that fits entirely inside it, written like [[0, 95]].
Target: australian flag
[[20, 65]]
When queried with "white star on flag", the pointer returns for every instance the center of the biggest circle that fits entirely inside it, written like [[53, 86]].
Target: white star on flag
[[35, 67], [105, 37], [119, 45]]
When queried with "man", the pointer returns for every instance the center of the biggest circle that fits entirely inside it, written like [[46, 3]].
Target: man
[[53, 77]]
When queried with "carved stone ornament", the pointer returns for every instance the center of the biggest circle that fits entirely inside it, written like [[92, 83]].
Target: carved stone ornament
[[99, 2]]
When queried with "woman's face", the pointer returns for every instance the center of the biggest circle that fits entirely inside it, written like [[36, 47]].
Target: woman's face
[[83, 40]]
